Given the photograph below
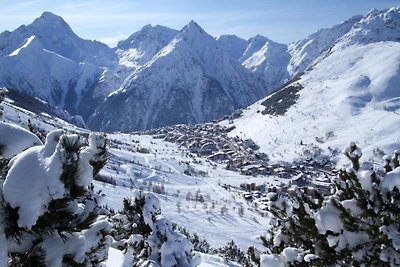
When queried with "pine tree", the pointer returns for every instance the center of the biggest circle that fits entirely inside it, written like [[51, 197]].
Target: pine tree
[[62, 225], [199, 244], [3, 162], [396, 158], [233, 253], [3, 93], [147, 237], [358, 225]]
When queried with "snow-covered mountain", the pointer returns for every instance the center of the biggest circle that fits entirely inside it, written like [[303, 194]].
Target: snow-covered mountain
[[351, 93], [193, 79], [261, 56], [47, 60], [233, 44], [376, 26], [160, 76], [306, 51], [267, 58], [55, 35], [143, 45]]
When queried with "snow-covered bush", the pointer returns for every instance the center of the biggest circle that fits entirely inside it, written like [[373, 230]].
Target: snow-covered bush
[[3, 93], [199, 244], [233, 253], [147, 237], [357, 225], [49, 214]]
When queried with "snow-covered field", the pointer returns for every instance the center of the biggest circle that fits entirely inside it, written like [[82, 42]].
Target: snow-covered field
[[164, 167], [203, 202]]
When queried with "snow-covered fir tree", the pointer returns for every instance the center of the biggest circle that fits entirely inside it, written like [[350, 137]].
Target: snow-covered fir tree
[[231, 252], [147, 237], [49, 213], [3, 93], [199, 244], [357, 224]]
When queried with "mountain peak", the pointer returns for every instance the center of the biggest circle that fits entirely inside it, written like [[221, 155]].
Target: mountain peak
[[49, 20], [148, 36], [192, 26], [146, 27], [376, 26], [258, 40], [49, 17]]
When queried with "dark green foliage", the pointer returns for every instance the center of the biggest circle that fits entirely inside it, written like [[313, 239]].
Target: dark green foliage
[[134, 214], [60, 219], [33, 258], [3, 161], [40, 133], [102, 246], [199, 244], [233, 253], [3, 93], [365, 209], [146, 237], [396, 159], [68, 260], [11, 230], [3, 164], [387, 164], [282, 99], [253, 255], [354, 155], [132, 223], [299, 227], [100, 159]]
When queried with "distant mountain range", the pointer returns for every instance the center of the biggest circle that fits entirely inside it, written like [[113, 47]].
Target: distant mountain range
[[160, 76]]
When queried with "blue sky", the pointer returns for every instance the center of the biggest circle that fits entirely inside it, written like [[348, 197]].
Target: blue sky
[[109, 21]]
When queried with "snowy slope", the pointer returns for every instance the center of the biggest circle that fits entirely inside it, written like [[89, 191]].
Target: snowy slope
[[140, 47], [376, 26], [260, 55], [191, 80], [306, 51], [233, 44], [267, 58], [165, 163], [350, 95]]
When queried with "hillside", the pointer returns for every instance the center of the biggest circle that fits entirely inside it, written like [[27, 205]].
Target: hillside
[[351, 93], [194, 192]]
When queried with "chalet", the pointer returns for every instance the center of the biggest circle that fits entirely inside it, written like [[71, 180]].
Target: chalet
[[253, 169], [218, 156], [210, 146], [249, 143], [159, 136], [247, 196]]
